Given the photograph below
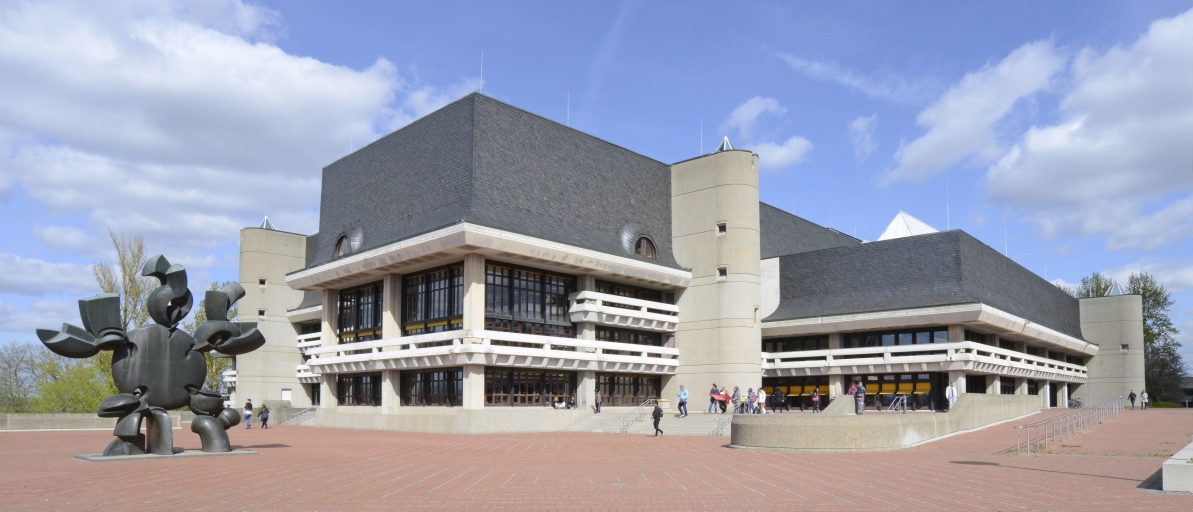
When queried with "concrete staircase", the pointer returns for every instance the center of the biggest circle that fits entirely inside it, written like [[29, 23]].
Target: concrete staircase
[[610, 421], [302, 418]]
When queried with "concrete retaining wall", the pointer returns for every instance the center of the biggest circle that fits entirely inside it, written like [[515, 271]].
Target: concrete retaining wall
[[65, 421], [450, 420], [1178, 472], [875, 431]]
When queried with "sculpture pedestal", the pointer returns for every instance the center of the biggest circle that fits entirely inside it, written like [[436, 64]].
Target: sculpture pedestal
[[181, 454]]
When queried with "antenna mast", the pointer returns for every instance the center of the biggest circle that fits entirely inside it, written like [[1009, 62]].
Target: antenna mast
[[482, 89]]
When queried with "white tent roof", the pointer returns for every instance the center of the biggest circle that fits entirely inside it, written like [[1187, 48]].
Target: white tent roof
[[905, 225], [1115, 289]]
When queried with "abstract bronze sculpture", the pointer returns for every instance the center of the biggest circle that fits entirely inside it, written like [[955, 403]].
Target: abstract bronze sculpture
[[160, 367]]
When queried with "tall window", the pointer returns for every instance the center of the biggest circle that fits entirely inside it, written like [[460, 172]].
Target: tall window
[[342, 247], [360, 313], [645, 248], [515, 387], [627, 389], [437, 386], [433, 301], [359, 389], [527, 301]]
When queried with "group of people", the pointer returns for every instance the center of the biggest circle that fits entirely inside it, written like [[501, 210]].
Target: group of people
[[1142, 399], [750, 402], [248, 415]]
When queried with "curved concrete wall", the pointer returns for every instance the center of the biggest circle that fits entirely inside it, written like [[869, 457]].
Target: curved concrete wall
[[875, 431], [450, 420]]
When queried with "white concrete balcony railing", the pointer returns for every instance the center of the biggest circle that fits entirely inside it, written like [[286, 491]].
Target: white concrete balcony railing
[[965, 356], [618, 311], [305, 376], [307, 341], [228, 377], [494, 349]]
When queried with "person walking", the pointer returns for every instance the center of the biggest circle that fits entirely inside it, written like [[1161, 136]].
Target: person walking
[[724, 401], [860, 396], [598, 402], [657, 414], [1131, 397], [683, 402], [712, 402], [761, 401], [736, 400], [950, 394], [815, 400], [264, 415], [780, 400], [248, 413], [1143, 400], [751, 401]]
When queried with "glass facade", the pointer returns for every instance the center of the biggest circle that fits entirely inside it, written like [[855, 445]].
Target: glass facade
[[653, 339], [919, 336], [1006, 385], [797, 389], [359, 389], [627, 389], [436, 386], [925, 391], [625, 290], [527, 301], [795, 344], [511, 387], [359, 317], [433, 301]]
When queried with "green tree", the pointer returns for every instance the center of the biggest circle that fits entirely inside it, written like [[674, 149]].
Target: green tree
[[1096, 285], [123, 278], [69, 385], [216, 366], [1164, 367]]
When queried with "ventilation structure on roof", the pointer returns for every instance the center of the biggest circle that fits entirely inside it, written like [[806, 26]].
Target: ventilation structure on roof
[[905, 225], [1115, 289], [265, 224], [725, 145]]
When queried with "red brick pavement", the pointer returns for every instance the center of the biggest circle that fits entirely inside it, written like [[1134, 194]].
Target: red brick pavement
[[328, 469]]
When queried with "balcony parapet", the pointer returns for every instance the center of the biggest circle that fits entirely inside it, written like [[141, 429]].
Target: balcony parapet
[[305, 376], [308, 341], [936, 357], [228, 377], [615, 310], [453, 348]]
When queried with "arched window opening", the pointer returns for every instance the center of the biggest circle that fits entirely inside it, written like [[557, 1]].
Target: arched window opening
[[342, 246], [644, 247]]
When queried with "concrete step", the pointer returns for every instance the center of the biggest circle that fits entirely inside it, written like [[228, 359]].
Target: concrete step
[[301, 418], [610, 421]]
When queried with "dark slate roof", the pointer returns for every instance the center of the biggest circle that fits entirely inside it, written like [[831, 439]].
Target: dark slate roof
[[310, 300], [482, 161], [936, 269], [783, 233]]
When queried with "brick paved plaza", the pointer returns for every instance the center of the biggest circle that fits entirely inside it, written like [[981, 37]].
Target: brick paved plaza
[[1112, 467]]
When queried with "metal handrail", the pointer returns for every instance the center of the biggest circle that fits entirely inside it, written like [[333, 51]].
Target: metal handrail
[[899, 403], [723, 422], [1046, 432], [636, 415]]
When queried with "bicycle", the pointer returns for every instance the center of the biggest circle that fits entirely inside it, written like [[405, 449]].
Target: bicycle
[[1075, 403]]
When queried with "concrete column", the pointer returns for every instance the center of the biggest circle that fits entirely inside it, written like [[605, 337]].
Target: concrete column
[[586, 389], [836, 386], [1020, 386], [957, 376], [586, 330], [391, 389], [474, 294], [327, 391], [474, 386], [834, 340], [1045, 391], [391, 318], [1062, 395], [331, 309], [993, 385], [957, 333]]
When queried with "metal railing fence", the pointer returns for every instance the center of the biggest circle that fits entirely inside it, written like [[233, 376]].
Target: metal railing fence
[[637, 415], [1044, 433]]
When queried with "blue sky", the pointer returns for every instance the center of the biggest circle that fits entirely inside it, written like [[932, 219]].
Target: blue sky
[[1060, 133]]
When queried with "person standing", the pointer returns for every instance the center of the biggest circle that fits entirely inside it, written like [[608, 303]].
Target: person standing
[[248, 413], [780, 400], [1143, 400], [683, 402], [1131, 397], [860, 396], [950, 394], [751, 401], [657, 414], [712, 402], [815, 400], [264, 415], [761, 401], [724, 401], [598, 402], [736, 400]]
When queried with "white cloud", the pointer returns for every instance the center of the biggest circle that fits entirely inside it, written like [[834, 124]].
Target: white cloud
[[772, 156], [29, 276], [890, 88], [179, 120], [44, 314], [1176, 276], [62, 237], [1119, 162], [861, 135], [961, 124]]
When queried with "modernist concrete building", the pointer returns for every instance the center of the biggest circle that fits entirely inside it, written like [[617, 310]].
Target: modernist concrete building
[[483, 262]]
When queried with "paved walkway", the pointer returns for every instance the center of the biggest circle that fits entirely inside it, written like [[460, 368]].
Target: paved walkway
[[1109, 468]]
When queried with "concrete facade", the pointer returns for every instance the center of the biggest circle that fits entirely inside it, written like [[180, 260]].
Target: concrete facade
[[1115, 324]]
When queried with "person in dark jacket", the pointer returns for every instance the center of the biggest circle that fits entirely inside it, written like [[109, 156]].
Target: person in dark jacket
[[1131, 397], [264, 415], [657, 414]]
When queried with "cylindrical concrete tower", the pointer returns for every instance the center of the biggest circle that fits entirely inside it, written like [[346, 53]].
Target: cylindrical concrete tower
[[714, 223]]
